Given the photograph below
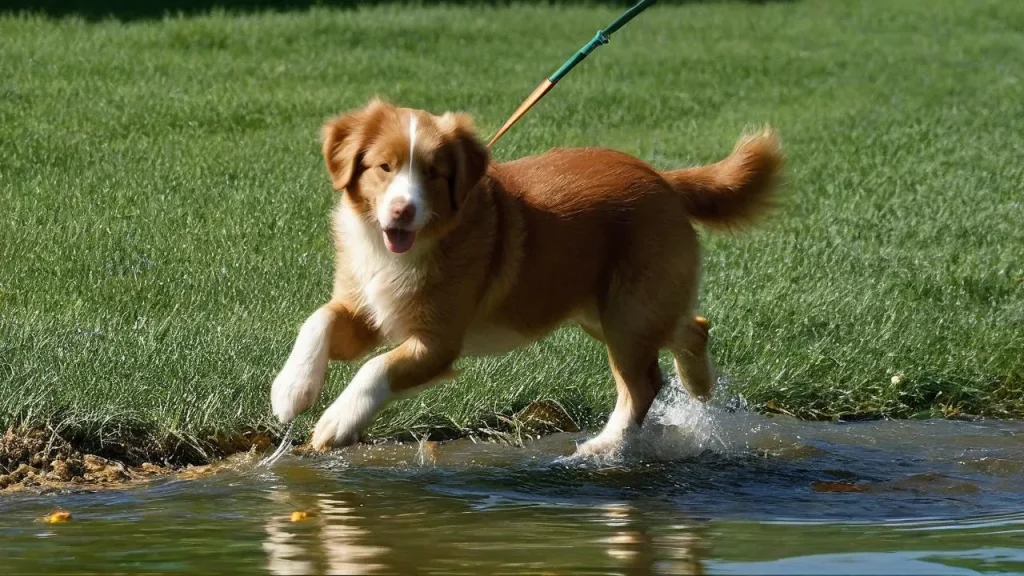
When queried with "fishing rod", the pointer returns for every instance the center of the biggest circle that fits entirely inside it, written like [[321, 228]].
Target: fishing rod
[[599, 39]]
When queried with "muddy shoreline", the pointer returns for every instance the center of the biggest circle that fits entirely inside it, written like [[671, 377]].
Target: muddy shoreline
[[36, 459], [40, 460]]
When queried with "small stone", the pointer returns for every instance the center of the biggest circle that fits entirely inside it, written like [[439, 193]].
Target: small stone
[[94, 463], [75, 466], [150, 468], [59, 471], [22, 472], [5, 481], [101, 470], [111, 474]]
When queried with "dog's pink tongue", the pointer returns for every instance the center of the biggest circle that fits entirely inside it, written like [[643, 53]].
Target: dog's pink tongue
[[399, 241]]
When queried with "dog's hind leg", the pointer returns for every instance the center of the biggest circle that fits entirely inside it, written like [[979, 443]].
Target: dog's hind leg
[[638, 382], [632, 339], [689, 348], [332, 332]]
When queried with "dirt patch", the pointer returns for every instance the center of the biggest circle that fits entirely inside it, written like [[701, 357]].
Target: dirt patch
[[38, 460], [35, 459], [42, 460]]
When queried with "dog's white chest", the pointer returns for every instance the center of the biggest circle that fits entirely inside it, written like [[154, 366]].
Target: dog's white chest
[[383, 282], [381, 297]]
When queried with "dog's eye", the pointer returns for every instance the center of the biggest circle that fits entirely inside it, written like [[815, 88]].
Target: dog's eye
[[385, 167]]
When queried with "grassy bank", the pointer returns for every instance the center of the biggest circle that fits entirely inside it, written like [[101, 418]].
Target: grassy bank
[[163, 205]]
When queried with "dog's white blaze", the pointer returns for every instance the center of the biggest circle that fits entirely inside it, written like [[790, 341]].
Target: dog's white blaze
[[300, 381], [405, 186], [384, 279], [412, 138], [355, 408]]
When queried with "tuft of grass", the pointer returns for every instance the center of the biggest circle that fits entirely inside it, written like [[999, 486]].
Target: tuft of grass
[[164, 232]]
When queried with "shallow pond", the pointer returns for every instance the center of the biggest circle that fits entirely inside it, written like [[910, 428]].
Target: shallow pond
[[703, 491]]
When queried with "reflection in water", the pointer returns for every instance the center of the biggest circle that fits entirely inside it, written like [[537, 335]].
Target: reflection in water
[[629, 542], [284, 549], [632, 544], [684, 549], [333, 533], [343, 540]]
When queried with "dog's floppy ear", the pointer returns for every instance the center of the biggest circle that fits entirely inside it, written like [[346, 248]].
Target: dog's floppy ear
[[471, 156], [343, 141], [341, 147]]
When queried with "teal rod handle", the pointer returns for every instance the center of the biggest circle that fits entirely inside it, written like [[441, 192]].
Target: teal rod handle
[[629, 15], [599, 39]]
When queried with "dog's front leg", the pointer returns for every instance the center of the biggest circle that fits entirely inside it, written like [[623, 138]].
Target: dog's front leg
[[333, 332], [416, 362]]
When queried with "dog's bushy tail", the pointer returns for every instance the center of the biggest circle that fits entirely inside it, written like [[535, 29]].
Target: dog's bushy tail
[[736, 190]]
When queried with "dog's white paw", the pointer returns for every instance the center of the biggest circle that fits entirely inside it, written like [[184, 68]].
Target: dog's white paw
[[336, 429], [613, 438], [298, 384], [343, 422], [603, 444], [294, 390]]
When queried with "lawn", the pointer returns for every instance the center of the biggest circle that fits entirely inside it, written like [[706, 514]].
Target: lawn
[[163, 204]]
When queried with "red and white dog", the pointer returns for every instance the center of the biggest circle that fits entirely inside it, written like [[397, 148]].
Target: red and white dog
[[444, 254]]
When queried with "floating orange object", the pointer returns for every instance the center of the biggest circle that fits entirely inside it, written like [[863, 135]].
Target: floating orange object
[[57, 517], [300, 515]]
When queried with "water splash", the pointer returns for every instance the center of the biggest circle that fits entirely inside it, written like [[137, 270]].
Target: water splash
[[284, 448], [425, 451], [678, 426]]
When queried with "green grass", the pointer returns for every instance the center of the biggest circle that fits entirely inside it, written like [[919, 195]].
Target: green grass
[[163, 206]]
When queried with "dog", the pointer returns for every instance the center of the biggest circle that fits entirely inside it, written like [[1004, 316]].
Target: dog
[[444, 254]]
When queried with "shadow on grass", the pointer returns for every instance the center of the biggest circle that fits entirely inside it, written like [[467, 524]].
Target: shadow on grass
[[127, 10]]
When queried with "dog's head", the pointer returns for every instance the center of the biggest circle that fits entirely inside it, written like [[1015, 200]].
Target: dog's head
[[408, 171]]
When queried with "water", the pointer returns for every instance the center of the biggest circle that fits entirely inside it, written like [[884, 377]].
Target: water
[[703, 491]]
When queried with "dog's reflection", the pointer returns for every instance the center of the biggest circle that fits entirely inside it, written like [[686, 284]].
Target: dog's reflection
[[337, 539], [331, 540], [674, 552], [285, 555]]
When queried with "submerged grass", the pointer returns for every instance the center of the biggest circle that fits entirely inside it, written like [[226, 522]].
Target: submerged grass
[[163, 229]]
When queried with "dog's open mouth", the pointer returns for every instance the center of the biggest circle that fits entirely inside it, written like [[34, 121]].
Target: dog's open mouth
[[398, 240]]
